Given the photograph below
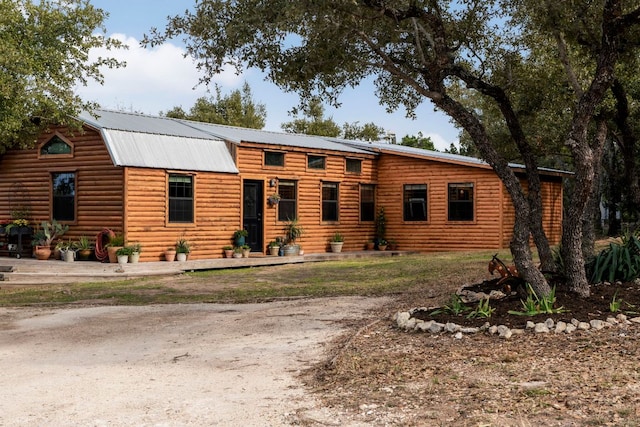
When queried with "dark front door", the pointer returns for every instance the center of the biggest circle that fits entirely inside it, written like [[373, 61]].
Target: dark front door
[[253, 205]]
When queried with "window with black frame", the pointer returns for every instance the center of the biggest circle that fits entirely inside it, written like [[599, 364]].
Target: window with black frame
[[287, 207], [64, 196], [415, 202], [367, 202], [330, 205], [274, 158], [316, 162], [461, 198], [181, 198]]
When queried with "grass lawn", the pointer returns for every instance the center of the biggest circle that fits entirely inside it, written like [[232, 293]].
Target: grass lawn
[[421, 273]]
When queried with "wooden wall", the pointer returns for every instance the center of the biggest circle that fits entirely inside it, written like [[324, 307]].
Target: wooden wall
[[99, 184], [437, 233], [316, 232], [217, 213], [494, 213], [552, 201]]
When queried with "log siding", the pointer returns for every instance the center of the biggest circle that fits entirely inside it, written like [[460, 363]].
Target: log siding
[[134, 200]]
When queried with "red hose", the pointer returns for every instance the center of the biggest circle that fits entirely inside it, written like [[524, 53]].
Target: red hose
[[102, 239]]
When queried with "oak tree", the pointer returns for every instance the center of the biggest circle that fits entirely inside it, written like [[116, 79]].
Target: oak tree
[[45, 48], [439, 50]]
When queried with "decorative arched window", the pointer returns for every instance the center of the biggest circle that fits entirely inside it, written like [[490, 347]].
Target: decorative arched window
[[56, 146]]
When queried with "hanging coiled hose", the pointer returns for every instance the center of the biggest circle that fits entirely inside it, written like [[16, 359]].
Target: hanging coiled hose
[[102, 239]]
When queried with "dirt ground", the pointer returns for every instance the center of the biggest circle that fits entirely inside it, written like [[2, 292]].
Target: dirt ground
[[310, 362], [201, 364]]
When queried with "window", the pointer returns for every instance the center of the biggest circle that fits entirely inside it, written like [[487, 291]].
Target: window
[[415, 202], [273, 158], [329, 201], [180, 198], [461, 202], [367, 202], [288, 200], [64, 196], [316, 162], [55, 146], [354, 165]]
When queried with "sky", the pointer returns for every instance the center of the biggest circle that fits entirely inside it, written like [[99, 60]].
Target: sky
[[157, 79]]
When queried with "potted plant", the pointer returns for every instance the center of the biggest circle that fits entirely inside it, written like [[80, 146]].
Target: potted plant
[[381, 225], [183, 248], [170, 253], [273, 199], [122, 254], [134, 253], [237, 252], [382, 245], [274, 247], [67, 251], [336, 242], [246, 249], [50, 231], [393, 245], [370, 245], [84, 248], [239, 237], [116, 242], [292, 232], [228, 251]]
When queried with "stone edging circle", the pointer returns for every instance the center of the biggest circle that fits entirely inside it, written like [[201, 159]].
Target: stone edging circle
[[404, 321]]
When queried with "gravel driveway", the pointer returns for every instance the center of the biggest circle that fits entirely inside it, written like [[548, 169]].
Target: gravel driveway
[[168, 365]]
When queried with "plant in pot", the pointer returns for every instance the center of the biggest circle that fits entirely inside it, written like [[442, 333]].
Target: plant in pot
[[336, 242], [381, 225], [382, 245], [273, 199], [246, 249], [170, 253], [292, 231], [134, 253], [237, 252], [239, 237], [274, 247], [183, 248], [228, 251], [67, 251], [122, 254], [116, 242], [85, 248], [50, 231]]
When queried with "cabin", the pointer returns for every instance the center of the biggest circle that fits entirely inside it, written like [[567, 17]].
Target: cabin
[[157, 179]]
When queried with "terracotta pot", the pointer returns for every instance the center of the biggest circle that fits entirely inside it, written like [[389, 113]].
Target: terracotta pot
[[228, 253], [43, 252], [111, 251], [170, 254]]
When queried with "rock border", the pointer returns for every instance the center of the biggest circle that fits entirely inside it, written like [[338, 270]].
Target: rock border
[[405, 321]]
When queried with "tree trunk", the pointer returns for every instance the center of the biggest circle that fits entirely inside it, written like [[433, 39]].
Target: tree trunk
[[519, 245]]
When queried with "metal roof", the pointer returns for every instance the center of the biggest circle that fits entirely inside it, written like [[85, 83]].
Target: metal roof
[[435, 155], [239, 135], [168, 152], [156, 142]]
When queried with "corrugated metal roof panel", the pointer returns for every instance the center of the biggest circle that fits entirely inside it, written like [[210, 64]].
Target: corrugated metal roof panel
[[238, 135], [168, 152], [138, 123], [436, 155]]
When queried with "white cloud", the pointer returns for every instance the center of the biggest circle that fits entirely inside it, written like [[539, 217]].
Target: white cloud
[[154, 79], [439, 141]]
